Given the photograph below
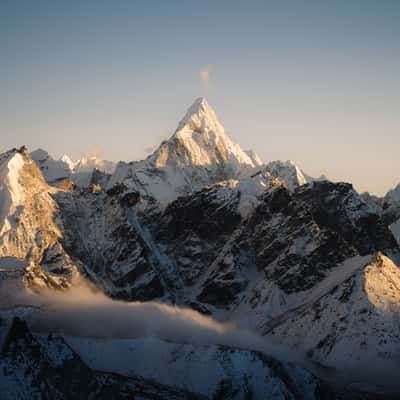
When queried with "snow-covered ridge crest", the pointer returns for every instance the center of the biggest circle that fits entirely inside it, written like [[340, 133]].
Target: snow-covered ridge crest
[[54, 171], [30, 229], [198, 154], [382, 283], [200, 117], [353, 324], [11, 194], [80, 172], [83, 169], [254, 157], [27, 208], [288, 172]]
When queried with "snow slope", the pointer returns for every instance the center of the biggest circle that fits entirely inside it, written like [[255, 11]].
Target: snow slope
[[210, 370], [393, 195], [395, 229], [80, 172], [34, 367], [83, 170], [287, 172], [355, 324], [54, 171], [11, 192]]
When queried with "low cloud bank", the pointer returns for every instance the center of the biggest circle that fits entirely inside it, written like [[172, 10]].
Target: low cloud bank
[[84, 311]]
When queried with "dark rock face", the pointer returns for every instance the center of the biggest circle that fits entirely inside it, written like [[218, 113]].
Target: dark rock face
[[59, 375], [48, 369], [220, 293], [208, 214], [117, 189], [200, 251], [335, 206], [193, 229], [130, 199], [390, 211], [98, 234], [297, 237]]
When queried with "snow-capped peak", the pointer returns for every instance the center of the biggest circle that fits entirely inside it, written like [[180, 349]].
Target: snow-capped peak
[[83, 169], [288, 172], [200, 117], [40, 155], [199, 153], [200, 140], [54, 171], [80, 172], [91, 162]]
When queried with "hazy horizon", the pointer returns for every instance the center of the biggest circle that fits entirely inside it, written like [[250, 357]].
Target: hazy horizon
[[316, 83]]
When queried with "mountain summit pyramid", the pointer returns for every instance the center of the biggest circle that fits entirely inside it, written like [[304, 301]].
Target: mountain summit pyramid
[[199, 153], [200, 140]]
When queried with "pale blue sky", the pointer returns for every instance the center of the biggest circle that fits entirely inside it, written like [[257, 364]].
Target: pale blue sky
[[313, 81]]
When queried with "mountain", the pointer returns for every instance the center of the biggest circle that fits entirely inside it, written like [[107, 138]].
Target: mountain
[[393, 196], [287, 172], [391, 210], [293, 249], [289, 243], [46, 367], [50, 366], [214, 371], [199, 153], [202, 224], [84, 170], [54, 171], [201, 251], [29, 232], [310, 178], [352, 325], [80, 173]]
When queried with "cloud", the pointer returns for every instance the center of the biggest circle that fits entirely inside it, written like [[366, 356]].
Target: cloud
[[85, 311], [205, 74]]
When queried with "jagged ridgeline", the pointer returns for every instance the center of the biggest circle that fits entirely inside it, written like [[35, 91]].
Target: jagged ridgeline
[[200, 223]]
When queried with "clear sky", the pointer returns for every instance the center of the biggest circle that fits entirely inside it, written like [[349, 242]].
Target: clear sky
[[317, 82]]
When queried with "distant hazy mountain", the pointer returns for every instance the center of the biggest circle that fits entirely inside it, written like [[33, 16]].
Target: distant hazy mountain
[[80, 173]]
